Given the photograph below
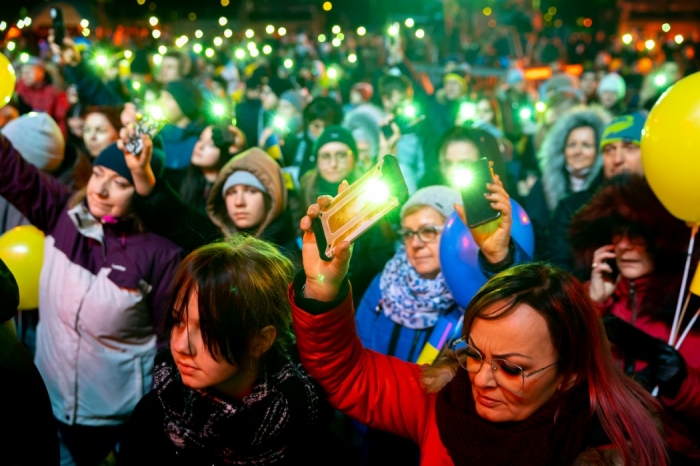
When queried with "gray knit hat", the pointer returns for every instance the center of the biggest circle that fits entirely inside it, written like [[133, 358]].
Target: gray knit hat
[[38, 139], [440, 198]]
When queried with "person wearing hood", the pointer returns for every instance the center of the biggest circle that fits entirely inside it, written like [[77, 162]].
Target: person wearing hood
[[249, 196], [336, 155], [633, 251], [570, 160], [102, 292]]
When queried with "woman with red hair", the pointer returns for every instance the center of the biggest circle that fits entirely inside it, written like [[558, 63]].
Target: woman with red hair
[[530, 382]]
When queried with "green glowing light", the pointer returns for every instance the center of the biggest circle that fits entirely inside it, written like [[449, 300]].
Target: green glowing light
[[467, 111], [376, 191], [462, 178], [525, 113]]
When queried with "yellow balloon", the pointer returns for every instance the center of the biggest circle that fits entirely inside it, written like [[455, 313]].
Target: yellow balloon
[[7, 80], [671, 149], [22, 249]]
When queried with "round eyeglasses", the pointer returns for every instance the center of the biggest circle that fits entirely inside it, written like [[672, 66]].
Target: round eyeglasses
[[508, 376]]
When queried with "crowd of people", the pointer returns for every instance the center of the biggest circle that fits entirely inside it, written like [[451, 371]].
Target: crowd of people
[[186, 316]]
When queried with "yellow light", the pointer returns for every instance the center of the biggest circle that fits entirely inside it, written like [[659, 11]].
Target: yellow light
[[10, 46], [487, 11], [267, 50], [249, 33], [462, 178], [558, 23], [209, 52], [336, 29], [627, 39], [155, 33], [321, 38], [352, 58], [336, 42], [223, 21], [197, 48], [420, 33], [162, 49], [341, 36], [282, 31], [252, 45], [157, 59], [153, 21], [376, 191], [361, 31], [254, 53], [650, 44], [678, 39], [24, 57], [393, 30], [540, 107], [136, 85], [198, 33], [128, 54], [270, 29], [140, 2], [228, 33], [666, 27], [218, 41], [332, 73], [84, 23], [85, 32], [552, 10], [409, 23], [327, 6], [3, 25], [288, 63], [20, 24], [192, 16], [224, 2]]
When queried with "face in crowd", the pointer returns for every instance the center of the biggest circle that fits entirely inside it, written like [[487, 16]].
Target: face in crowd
[[98, 133], [335, 162], [245, 206], [108, 193], [622, 157], [421, 230], [580, 148], [457, 154]]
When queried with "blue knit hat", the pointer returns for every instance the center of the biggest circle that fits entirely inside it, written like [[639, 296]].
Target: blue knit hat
[[113, 158], [625, 128]]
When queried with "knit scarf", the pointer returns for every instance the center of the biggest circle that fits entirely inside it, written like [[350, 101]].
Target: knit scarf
[[409, 299], [259, 429], [537, 440]]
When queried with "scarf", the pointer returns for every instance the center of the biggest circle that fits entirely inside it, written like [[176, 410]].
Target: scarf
[[537, 440], [409, 299], [259, 429]]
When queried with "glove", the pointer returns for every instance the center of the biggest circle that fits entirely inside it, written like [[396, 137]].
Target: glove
[[669, 370]]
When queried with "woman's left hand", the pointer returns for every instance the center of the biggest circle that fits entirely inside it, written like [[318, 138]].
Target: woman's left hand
[[493, 238], [139, 165]]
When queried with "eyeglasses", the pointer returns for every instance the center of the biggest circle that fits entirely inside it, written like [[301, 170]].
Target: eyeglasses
[[426, 234], [340, 157], [508, 376]]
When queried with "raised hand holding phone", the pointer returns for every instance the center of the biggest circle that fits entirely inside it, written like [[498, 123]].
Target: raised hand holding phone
[[603, 279], [139, 165]]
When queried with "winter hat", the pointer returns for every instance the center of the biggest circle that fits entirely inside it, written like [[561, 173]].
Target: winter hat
[[457, 78], [187, 95], [294, 98], [613, 82], [440, 198], [515, 75], [625, 128], [39, 140], [336, 134], [242, 177], [113, 158], [365, 90]]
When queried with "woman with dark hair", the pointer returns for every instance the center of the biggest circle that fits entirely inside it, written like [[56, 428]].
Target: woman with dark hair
[[102, 291], [633, 250], [230, 390], [518, 388]]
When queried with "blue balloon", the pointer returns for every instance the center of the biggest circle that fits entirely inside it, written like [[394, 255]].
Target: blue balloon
[[459, 253]]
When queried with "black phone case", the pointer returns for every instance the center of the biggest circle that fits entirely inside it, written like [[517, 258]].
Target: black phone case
[[59, 30], [476, 206]]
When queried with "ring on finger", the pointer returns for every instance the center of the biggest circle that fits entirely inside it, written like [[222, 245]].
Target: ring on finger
[[595, 264]]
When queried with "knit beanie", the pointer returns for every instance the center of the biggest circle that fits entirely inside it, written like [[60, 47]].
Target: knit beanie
[[625, 128], [113, 158], [440, 198], [242, 177], [39, 140], [613, 82], [457, 78], [294, 98], [188, 97], [336, 134]]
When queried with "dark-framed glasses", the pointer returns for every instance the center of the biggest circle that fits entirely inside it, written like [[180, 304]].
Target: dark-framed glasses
[[426, 234], [508, 375]]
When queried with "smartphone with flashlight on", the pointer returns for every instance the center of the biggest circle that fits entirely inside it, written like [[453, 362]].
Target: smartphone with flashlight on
[[360, 206], [472, 181], [59, 29], [146, 123]]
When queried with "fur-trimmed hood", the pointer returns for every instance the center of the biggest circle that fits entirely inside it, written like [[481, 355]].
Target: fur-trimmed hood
[[551, 159]]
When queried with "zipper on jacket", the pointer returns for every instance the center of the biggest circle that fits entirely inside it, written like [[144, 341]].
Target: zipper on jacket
[[629, 361]]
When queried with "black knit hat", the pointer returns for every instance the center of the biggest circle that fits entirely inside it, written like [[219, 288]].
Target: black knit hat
[[188, 97], [113, 158], [336, 134]]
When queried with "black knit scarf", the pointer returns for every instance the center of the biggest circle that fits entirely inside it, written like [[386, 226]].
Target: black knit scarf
[[472, 440], [259, 429]]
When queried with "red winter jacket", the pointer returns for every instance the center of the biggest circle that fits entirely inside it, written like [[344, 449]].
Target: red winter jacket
[[682, 427]]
